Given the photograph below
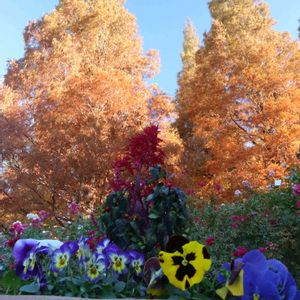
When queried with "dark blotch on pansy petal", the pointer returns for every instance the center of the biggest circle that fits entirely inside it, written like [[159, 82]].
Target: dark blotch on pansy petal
[[177, 260], [187, 284], [188, 270], [191, 256], [205, 253], [175, 243]]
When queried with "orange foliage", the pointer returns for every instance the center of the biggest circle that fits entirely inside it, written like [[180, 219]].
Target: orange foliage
[[243, 101], [70, 104]]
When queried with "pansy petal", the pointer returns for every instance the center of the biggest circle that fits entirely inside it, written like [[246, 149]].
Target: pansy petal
[[22, 247], [185, 269], [255, 257], [169, 268], [237, 287]]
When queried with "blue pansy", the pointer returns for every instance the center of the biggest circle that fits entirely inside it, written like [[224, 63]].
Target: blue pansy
[[136, 261], [24, 253], [95, 267], [117, 258], [261, 279], [61, 257], [102, 245]]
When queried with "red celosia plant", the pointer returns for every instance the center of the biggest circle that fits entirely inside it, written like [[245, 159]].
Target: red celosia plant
[[131, 171]]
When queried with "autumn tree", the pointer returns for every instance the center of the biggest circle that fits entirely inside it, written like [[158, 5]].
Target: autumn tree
[[69, 105], [245, 100]]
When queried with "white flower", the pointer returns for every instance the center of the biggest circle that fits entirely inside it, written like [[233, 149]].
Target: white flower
[[32, 216], [277, 182], [237, 193]]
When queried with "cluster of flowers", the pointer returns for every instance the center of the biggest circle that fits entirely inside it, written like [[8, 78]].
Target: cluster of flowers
[[250, 277], [255, 277], [29, 255]]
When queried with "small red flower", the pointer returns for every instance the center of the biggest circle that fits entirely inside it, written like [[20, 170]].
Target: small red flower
[[197, 219], [107, 209], [234, 225], [218, 188], [239, 251], [262, 249], [209, 241], [298, 203], [11, 242], [91, 244], [236, 218], [201, 184]]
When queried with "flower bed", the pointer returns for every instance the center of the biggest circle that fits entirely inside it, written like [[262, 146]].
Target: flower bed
[[147, 241]]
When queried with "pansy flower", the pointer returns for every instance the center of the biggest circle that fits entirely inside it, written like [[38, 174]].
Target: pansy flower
[[185, 266], [61, 256], [259, 278], [95, 267], [102, 245], [24, 253], [118, 259], [136, 261], [84, 251]]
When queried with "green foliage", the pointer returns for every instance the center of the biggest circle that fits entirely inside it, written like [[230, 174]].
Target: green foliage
[[160, 215], [269, 221]]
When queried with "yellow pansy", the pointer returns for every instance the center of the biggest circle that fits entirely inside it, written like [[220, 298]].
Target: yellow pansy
[[187, 267]]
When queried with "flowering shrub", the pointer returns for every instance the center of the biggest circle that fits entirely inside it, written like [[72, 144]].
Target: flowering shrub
[[269, 222]]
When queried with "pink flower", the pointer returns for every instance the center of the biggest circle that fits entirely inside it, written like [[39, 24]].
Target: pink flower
[[298, 203], [190, 192], [234, 225], [43, 215], [74, 208], [209, 241], [17, 227], [239, 251], [243, 218], [201, 184], [262, 249], [296, 189]]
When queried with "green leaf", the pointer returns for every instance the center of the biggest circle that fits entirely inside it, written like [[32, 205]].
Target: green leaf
[[11, 281], [32, 288], [120, 286], [153, 216]]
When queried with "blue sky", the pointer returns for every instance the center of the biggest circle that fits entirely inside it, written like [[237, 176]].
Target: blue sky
[[160, 21]]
